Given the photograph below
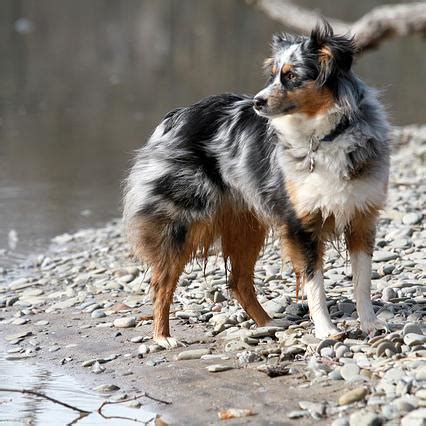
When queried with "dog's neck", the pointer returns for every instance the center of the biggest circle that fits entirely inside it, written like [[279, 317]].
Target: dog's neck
[[298, 129]]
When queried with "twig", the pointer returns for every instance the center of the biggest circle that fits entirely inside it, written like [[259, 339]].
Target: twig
[[85, 413], [152, 398], [49, 398], [143, 395]]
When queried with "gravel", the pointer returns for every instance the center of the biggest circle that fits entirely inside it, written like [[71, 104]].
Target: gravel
[[89, 276]]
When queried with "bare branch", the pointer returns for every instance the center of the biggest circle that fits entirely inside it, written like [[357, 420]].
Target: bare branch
[[380, 24], [388, 21], [49, 398]]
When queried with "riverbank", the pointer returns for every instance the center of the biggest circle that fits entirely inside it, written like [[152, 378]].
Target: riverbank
[[83, 308]]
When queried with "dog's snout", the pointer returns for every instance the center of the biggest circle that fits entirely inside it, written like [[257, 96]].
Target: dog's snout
[[259, 101]]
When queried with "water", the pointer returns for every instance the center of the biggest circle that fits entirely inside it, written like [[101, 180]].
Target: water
[[21, 409], [83, 83]]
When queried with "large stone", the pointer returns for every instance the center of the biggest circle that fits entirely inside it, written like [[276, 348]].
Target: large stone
[[384, 256], [192, 354], [353, 396], [349, 371], [412, 218], [125, 322], [415, 418], [365, 418], [413, 339]]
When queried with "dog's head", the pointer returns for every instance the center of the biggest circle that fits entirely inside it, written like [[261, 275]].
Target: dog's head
[[304, 72]]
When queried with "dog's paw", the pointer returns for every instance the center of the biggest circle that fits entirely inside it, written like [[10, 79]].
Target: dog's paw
[[371, 326], [168, 342]]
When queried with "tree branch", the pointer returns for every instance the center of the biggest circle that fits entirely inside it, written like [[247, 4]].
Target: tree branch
[[380, 24]]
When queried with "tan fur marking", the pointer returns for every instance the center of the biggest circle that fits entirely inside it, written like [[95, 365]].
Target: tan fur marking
[[322, 230], [361, 231], [286, 68], [325, 54], [311, 100], [243, 236]]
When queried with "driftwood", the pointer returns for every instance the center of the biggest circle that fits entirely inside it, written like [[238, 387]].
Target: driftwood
[[380, 24]]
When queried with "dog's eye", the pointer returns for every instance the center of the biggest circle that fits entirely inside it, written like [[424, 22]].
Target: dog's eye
[[290, 76]]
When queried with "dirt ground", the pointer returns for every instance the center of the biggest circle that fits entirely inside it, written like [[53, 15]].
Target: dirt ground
[[196, 395]]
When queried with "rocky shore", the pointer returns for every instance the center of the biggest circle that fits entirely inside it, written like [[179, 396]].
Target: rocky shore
[[84, 307]]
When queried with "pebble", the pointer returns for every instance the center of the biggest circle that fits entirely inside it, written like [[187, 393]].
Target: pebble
[[384, 256], [384, 347], [388, 294], [126, 322], [248, 357], [192, 354], [349, 371], [325, 344], [327, 352], [97, 368], [365, 418], [394, 374], [297, 414], [413, 339], [342, 421], [143, 350], [415, 418], [421, 394], [354, 395], [341, 351], [98, 313], [411, 328], [412, 218], [217, 368], [106, 388], [420, 374]]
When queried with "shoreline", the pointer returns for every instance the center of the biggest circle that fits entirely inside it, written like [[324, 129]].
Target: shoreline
[[71, 297]]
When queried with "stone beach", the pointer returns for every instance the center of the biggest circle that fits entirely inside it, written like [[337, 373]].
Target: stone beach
[[84, 307]]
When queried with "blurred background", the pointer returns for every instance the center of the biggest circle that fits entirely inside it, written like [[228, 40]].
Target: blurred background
[[83, 83]]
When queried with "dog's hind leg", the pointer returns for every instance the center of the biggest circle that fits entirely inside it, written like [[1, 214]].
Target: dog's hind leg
[[163, 285], [243, 236], [167, 247]]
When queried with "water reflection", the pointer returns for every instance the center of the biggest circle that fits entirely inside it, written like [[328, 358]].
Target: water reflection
[[83, 83], [18, 409]]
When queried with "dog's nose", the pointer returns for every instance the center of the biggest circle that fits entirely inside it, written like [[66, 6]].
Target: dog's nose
[[259, 102]]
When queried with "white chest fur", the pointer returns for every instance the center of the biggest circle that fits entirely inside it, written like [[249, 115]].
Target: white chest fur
[[327, 188]]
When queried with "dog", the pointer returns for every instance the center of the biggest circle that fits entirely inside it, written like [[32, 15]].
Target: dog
[[308, 156]]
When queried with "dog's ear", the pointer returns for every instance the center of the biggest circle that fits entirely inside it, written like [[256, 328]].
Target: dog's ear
[[335, 53]]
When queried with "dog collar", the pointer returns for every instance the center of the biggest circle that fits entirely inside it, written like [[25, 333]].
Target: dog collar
[[337, 131], [314, 142]]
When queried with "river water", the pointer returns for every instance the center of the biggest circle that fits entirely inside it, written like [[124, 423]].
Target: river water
[[83, 83]]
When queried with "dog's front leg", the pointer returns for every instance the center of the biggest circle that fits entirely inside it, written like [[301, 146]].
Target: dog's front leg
[[360, 242], [305, 251], [318, 307]]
